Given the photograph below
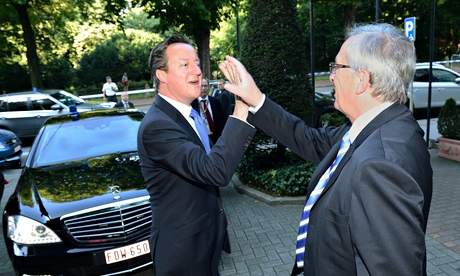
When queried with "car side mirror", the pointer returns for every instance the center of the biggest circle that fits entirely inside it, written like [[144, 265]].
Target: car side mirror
[[457, 80], [56, 107]]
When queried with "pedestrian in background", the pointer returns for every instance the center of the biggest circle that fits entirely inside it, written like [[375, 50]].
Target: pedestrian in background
[[368, 200], [125, 81], [109, 90], [211, 112], [124, 102], [227, 100], [182, 173]]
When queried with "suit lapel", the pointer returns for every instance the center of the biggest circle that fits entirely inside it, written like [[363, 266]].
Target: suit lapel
[[388, 114], [175, 115]]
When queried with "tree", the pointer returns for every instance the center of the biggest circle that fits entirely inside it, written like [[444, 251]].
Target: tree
[[193, 18], [31, 14], [274, 53]]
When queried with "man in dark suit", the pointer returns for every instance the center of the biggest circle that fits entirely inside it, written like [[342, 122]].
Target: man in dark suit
[[227, 100], [124, 102], [211, 111], [369, 215], [189, 225]]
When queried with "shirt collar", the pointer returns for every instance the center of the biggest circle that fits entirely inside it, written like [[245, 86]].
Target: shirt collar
[[182, 108], [362, 121]]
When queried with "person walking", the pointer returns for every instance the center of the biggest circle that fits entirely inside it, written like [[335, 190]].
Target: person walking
[[182, 173], [109, 90], [125, 81], [368, 200]]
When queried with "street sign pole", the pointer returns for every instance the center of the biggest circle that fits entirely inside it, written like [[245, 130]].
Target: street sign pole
[[409, 31]]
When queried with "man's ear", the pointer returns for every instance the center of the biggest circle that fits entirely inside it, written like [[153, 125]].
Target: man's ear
[[161, 75], [364, 81]]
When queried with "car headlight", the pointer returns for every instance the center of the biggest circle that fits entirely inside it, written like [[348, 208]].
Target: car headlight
[[2, 146], [24, 230]]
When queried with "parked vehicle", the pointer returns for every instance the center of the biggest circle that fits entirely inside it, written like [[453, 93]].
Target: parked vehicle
[[445, 84], [80, 206], [10, 150], [25, 112]]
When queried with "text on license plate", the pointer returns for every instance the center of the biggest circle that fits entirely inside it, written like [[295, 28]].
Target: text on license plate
[[127, 252], [17, 148]]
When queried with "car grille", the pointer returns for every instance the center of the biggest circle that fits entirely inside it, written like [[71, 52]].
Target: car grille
[[114, 222]]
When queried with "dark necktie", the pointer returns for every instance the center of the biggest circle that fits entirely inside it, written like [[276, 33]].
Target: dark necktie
[[303, 228], [126, 104], [201, 128], [205, 110]]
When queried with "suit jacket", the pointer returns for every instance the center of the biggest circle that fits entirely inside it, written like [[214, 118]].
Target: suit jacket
[[371, 217], [217, 116], [189, 225], [227, 101], [121, 105]]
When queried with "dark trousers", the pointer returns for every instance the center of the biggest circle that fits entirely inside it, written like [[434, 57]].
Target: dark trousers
[[112, 98]]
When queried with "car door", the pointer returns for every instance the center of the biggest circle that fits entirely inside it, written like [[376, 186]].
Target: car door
[[15, 116], [43, 107], [445, 87], [420, 88]]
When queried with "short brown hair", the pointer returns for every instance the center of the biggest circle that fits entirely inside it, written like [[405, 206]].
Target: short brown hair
[[158, 59]]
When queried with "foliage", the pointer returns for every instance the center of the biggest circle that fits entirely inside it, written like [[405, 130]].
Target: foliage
[[449, 120], [287, 178], [273, 52], [193, 18], [332, 119]]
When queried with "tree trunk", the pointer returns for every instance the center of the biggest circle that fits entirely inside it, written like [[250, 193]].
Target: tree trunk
[[350, 16], [202, 41], [29, 38]]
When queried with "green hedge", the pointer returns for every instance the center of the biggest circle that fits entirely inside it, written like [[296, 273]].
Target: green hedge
[[288, 178]]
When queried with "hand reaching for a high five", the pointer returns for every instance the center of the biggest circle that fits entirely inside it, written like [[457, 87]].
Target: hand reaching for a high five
[[241, 82]]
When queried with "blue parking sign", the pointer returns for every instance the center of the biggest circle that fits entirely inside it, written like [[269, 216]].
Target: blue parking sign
[[409, 28]]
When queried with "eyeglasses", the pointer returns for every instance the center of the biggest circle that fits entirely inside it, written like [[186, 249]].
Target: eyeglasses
[[334, 66]]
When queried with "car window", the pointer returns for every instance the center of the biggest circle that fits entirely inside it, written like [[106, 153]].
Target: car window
[[42, 104], [421, 75], [15, 104], [66, 99], [84, 139], [443, 76]]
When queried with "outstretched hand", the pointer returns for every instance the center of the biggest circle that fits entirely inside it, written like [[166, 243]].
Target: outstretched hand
[[241, 82]]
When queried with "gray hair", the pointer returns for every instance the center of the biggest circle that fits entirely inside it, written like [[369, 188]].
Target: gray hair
[[387, 54], [158, 59]]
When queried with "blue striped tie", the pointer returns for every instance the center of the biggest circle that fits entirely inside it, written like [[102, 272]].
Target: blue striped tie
[[303, 228], [200, 127]]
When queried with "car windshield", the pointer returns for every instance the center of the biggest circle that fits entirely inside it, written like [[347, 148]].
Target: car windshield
[[79, 140]]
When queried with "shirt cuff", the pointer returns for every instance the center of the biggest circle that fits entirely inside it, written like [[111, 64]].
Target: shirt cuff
[[242, 121], [256, 108]]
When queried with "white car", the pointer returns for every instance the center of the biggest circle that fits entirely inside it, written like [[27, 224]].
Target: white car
[[445, 84]]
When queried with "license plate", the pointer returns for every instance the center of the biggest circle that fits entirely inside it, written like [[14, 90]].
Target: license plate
[[126, 252], [16, 149]]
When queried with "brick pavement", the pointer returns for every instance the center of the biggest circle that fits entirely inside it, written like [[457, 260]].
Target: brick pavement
[[262, 231]]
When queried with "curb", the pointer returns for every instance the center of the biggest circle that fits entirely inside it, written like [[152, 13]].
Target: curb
[[270, 200]]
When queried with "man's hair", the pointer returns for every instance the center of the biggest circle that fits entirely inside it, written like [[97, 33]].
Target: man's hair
[[387, 54], [158, 59]]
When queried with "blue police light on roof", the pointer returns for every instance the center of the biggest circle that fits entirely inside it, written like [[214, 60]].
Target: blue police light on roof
[[74, 115]]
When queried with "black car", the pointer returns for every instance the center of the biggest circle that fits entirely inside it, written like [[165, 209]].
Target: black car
[[10, 149], [80, 206]]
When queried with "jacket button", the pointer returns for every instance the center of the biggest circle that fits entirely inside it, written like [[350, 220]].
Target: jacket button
[[221, 211]]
